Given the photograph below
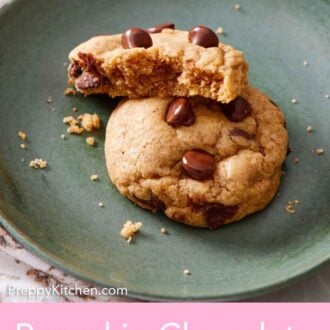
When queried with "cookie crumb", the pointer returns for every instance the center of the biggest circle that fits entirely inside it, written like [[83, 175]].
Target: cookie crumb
[[309, 129], [75, 129], [164, 231], [22, 135], [186, 272], [63, 136], [294, 101], [69, 91], [90, 122], [23, 146], [305, 63], [38, 163], [90, 141], [70, 120], [327, 96], [53, 109], [49, 99], [22, 160], [220, 30], [319, 151], [289, 208], [130, 229], [101, 204], [295, 160], [74, 109], [94, 177], [296, 202], [237, 7]]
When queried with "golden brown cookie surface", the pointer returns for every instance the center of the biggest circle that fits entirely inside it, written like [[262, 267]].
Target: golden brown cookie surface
[[171, 66], [218, 168]]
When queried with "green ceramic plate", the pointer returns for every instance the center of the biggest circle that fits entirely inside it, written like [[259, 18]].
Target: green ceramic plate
[[55, 212]]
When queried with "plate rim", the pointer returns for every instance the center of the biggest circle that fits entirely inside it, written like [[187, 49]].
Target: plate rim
[[36, 249], [33, 247]]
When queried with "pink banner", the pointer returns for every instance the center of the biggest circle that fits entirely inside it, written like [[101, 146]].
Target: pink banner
[[150, 316]]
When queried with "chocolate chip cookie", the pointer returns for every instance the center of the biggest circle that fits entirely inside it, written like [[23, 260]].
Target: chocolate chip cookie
[[160, 61], [201, 162]]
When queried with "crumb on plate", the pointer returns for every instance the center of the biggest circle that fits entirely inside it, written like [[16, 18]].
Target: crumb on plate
[[130, 229], [91, 141], [38, 163], [22, 135], [94, 177]]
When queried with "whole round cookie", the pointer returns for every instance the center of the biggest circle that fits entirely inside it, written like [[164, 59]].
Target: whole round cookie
[[203, 163]]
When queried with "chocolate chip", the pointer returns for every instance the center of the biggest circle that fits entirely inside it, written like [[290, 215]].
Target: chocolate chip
[[199, 164], [180, 112], [88, 80], [160, 27], [217, 214], [203, 36], [136, 37], [75, 69], [88, 62], [236, 110], [154, 203], [240, 132]]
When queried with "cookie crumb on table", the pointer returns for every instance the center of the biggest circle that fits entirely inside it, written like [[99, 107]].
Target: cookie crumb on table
[[309, 129], [295, 160], [63, 136], [94, 177], [130, 229], [74, 109], [101, 204], [305, 63], [237, 7], [22, 135], [294, 101], [90, 141], [319, 151], [327, 96], [69, 91], [23, 146], [49, 99], [38, 163], [186, 272]]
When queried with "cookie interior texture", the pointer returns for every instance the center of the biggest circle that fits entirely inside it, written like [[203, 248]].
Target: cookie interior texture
[[144, 158], [172, 66]]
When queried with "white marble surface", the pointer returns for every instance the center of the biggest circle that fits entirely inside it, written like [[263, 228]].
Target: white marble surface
[[23, 270]]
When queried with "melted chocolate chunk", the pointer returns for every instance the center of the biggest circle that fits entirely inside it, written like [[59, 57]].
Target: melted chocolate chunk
[[88, 80], [88, 62], [236, 110], [136, 37], [203, 36], [160, 27], [154, 203], [180, 112], [199, 164], [75, 69], [240, 132], [217, 214]]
